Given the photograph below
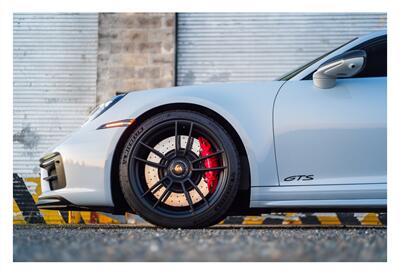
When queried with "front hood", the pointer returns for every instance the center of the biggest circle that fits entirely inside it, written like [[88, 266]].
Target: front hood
[[200, 90]]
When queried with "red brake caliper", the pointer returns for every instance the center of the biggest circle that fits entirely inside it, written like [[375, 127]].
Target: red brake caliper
[[211, 177]]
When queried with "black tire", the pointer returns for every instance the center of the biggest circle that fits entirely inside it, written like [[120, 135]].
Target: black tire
[[179, 171]]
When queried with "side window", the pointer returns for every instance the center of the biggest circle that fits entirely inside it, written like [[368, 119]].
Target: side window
[[376, 65]]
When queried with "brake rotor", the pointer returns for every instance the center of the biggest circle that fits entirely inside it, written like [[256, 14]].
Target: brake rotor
[[151, 173]]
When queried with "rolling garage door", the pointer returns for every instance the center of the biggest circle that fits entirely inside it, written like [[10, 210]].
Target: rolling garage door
[[55, 63], [231, 47]]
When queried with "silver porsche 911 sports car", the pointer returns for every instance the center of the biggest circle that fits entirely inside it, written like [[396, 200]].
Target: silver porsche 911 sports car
[[315, 139]]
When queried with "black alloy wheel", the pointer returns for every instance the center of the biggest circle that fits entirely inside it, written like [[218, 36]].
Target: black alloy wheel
[[163, 172]]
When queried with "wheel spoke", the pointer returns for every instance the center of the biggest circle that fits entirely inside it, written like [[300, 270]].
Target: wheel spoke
[[208, 169], [198, 191], [188, 198], [153, 164], [156, 187], [208, 156], [155, 151], [166, 191], [189, 143], [167, 196], [177, 139]]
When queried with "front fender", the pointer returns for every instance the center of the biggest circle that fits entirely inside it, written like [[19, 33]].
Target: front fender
[[247, 107]]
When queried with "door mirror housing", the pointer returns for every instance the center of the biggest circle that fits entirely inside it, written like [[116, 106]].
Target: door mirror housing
[[344, 65]]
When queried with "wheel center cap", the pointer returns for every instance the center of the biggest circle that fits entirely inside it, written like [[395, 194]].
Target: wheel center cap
[[179, 169]]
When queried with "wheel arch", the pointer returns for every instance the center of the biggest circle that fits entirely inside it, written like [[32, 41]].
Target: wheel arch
[[242, 200]]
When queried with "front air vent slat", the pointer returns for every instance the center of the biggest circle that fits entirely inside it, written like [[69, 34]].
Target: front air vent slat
[[50, 178], [53, 164], [48, 165]]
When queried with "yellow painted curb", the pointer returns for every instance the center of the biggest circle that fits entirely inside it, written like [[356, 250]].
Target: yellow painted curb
[[291, 219], [253, 220], [329, 220], [50, 216], [74, 217], [104, 219], [371, 219], [18, 218]]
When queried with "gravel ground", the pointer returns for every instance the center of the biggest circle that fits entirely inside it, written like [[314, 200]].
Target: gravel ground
[[116, 243]]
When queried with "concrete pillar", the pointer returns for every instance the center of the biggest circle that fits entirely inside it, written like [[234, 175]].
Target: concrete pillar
[[136, 51]]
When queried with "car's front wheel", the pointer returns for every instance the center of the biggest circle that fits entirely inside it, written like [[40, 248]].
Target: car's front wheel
[[180, 169]]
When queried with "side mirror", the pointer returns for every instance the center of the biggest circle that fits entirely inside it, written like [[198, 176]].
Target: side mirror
[[341, 66]]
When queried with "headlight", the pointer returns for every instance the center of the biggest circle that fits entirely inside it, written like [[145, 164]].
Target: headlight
[[100, 109]]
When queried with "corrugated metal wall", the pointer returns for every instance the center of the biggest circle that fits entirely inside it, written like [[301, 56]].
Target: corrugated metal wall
[[229, 47], [55, 66]]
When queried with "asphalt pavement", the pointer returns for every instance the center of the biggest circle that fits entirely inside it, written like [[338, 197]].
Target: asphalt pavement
[[127, 243]]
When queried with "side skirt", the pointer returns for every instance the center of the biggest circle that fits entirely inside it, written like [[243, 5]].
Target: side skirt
[[320, 196]]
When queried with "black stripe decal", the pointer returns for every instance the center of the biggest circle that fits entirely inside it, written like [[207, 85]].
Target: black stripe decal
[[348, 218], [25, 201], [383, 218], [309, 219]]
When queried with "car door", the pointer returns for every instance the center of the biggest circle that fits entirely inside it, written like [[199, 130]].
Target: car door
[[337, 135]]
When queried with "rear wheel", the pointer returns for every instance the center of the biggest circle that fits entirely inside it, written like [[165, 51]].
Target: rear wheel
[[180, 169]]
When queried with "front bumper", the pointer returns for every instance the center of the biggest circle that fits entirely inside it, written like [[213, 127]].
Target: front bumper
[[60, 203], [77, 173]]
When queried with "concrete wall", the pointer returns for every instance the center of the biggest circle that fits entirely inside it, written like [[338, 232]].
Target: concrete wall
[[136, 51], [55, 65], [241, 47]]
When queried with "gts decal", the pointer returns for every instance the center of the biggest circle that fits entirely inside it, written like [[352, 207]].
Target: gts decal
[[299, 178]]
